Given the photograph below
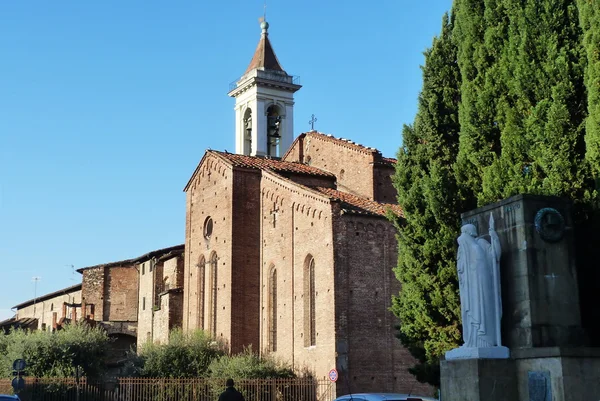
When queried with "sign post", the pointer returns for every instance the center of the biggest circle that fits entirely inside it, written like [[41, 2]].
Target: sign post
[[18, 383]]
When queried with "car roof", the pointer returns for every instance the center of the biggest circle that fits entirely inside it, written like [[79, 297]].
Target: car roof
[[8, 397], [383, 397]]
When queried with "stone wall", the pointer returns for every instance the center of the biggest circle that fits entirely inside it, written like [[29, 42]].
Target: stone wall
[[168, 317], [49, 311], [92, 290], [146, 273]]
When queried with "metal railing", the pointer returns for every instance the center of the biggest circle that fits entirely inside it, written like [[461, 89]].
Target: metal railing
[[170, 389], [272, 76]]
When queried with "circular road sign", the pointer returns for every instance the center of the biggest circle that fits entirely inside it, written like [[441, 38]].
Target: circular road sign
[[333, 375], [19, 364]]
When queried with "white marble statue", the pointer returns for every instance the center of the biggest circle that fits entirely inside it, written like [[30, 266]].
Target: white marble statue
[[481, 304]]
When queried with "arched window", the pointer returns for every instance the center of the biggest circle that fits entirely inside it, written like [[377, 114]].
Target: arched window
[[200, 294], [273, 309], [310, 332], [212, 295]]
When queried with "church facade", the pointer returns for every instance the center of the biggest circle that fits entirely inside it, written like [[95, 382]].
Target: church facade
[[287, 245]]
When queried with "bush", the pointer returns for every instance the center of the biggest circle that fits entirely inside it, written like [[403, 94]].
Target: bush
[[56, 354], [186, 355], [249, 365]]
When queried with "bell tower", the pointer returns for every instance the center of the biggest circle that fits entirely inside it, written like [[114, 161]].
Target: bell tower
[[264, 103]]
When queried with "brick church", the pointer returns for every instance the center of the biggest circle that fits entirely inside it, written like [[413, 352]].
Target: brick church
[[287, 245]]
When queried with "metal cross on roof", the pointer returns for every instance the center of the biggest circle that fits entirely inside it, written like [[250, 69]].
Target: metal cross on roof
[[312, 122]]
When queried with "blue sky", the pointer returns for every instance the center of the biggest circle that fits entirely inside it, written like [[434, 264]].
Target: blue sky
[[106, 108]]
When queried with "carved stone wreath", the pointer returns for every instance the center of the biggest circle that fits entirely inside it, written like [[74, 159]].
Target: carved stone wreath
[[550, 224]]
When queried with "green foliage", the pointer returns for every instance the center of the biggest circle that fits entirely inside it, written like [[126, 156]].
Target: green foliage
[[428, 305], [248, 365], [480, 31], [589, 17], [56, 354], [542, 109], [186, 355]]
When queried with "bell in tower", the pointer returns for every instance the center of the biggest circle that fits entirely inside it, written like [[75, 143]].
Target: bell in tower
[[264, 103], [248, 131], [273, 135]]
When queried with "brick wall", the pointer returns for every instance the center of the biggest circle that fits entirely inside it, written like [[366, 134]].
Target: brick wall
[[302, 228], [244, 272], [121, 294], [370, 357], [209, 195], [353, 167], [384, 189]]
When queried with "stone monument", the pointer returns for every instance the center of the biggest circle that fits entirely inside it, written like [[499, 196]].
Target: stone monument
[[540, 314]]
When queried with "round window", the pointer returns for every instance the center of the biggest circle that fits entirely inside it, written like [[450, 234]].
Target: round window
[[208, 227]]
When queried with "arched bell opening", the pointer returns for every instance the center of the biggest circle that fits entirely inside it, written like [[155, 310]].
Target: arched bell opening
[[273, 130], [248, 131]]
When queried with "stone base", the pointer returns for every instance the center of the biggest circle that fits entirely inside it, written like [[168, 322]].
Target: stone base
[[478, 380], [478, 353], [531, 374]]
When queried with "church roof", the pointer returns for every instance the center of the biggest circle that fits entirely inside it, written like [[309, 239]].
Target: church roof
[[264, 56], [379, 159], [276, 165], [73, 288], [172, 250], [358, 205]]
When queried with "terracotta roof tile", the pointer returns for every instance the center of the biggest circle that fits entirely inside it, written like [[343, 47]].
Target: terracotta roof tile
[[358, 205], [264, 57], [276, 165]]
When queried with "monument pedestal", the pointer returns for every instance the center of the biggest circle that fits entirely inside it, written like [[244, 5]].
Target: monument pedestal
[[557, 373], [531, 374], [478, 380], [479, 353]]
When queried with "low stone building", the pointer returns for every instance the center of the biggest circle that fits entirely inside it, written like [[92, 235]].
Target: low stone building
[[50, 311], [120, 296], [160, 302]]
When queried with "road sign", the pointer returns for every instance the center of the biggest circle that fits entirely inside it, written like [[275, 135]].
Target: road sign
[[333, 375], [19, 364], [18, 383]]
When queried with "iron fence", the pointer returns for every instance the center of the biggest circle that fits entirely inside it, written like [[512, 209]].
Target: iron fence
[[169, 389]]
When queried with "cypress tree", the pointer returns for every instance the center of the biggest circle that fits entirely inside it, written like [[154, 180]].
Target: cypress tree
[[480, 34], [587, 238], [589, 16], [541, 112], [428, 304]]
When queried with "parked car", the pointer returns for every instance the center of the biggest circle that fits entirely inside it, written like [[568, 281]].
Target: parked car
[[383, 397], [6, 397]]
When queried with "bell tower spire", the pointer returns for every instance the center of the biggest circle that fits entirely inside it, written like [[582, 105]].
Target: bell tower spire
[[264, 103]]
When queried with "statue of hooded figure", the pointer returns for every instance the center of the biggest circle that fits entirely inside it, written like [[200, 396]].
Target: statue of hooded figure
[[479, 285]]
